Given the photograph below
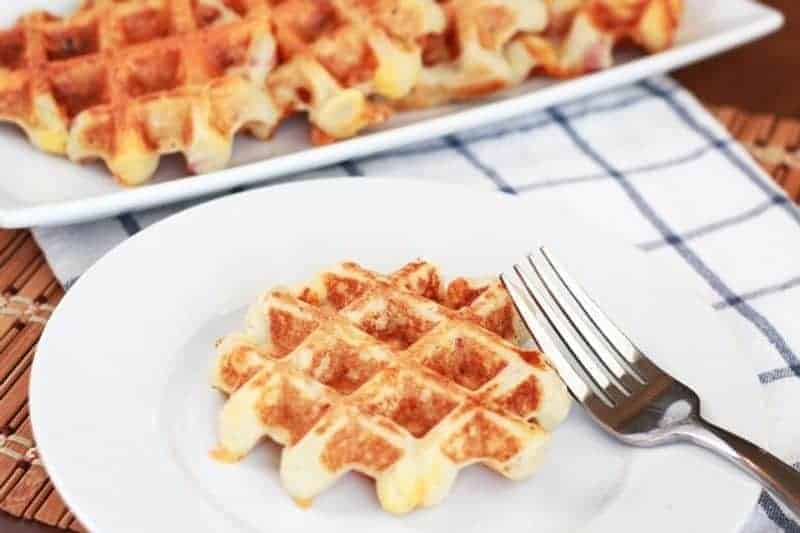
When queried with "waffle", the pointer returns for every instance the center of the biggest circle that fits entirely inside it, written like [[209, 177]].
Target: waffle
[[476, 55], [397, 377], [493, 44], [344, 59], [583, 33], [128, 81]]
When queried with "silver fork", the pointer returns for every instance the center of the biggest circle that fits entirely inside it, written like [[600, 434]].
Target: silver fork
[[624, 391]]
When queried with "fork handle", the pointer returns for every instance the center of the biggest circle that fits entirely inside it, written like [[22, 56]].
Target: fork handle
[[777, 476]]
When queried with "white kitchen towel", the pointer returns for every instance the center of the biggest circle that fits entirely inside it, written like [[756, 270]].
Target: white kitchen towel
[[646, 162]]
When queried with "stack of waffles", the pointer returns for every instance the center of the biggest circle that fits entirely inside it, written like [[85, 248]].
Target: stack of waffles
[[397, 377], [126, 81]]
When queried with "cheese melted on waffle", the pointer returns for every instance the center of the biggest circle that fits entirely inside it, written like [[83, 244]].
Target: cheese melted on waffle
[[397, 377]]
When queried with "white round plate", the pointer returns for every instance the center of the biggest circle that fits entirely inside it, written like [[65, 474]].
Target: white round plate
[[124, 416]]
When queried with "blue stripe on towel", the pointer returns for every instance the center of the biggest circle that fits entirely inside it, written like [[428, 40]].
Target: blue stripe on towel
[[459, 146], [129, 224], [684, 250], [734, 220]]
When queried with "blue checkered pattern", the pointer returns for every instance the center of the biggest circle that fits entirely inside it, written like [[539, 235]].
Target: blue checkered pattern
[[646, 162]]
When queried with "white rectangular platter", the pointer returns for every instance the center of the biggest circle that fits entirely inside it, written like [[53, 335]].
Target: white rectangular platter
[[37, 189]]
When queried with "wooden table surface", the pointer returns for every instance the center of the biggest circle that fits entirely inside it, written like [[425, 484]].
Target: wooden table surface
[[763, 76]]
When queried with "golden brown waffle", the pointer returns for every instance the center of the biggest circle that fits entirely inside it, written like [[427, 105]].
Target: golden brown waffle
[[493, 44], [484, 302], [582, 34], [358, 371], [127, 81], [475, 55], [341, 54]]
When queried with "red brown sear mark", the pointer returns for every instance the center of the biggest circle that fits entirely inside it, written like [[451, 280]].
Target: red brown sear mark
[[341, 367], [416, 408], [501, 321], [419, 416], [79, 87], [616, 18], [288, 331], [396, 325], [442, 47], [72, 42], [146, 26], [350, 63], [300, 22], [342, 291], [524, 399], [468, 363], [12, 49], [222, 56], [480, 438], [428, 286], [354, 445], [461, 293], [205, 15], [148, 74], [532, 357], [310, 297], [292, 411], [237, 6]]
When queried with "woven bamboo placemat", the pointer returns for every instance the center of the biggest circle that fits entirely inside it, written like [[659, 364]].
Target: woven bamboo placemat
[[29, 292]]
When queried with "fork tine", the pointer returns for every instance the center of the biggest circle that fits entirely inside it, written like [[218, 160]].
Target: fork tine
[[543, 338], [626, 379], [570, 338], [574, 349], [612, 334]]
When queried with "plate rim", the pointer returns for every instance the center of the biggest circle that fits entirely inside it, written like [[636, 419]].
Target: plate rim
[[35, 395], [765, 20]]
